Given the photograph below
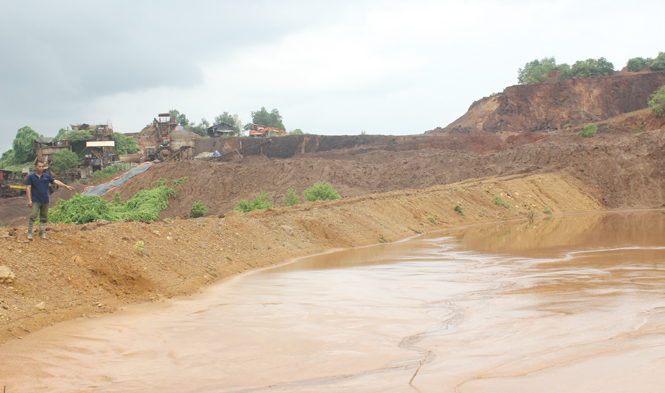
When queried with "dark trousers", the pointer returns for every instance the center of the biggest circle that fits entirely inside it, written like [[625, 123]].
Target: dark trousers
[[39, 209]]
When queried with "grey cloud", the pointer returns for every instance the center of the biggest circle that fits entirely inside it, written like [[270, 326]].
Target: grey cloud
[[59, 55]]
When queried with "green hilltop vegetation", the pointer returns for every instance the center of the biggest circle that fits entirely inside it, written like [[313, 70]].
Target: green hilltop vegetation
[[536, 71]]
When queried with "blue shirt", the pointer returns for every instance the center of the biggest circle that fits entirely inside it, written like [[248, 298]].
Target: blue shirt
[[39, 191]]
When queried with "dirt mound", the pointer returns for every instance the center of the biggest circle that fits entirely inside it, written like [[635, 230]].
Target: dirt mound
[[95, 268], [557, 106], [63, 193]]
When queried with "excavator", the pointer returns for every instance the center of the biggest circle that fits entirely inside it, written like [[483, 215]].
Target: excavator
[[258, 130]]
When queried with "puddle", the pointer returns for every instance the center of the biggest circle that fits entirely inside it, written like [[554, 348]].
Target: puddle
[[573, 303]]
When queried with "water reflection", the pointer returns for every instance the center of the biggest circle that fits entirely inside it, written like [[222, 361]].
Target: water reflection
[[572, 303]]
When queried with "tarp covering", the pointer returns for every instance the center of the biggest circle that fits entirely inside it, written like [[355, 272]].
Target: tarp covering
[[102, 188]]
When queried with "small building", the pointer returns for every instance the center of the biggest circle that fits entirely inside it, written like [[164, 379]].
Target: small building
[[46, 147], [220, 130]]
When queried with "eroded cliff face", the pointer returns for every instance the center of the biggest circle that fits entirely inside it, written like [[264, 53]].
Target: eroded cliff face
[[559, 105]]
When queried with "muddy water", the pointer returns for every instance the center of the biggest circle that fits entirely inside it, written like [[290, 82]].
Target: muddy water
[[574, 304]]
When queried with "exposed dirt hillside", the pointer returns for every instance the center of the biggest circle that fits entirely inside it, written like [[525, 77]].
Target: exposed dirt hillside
[[556, 106], [626, 170], [82, 270]]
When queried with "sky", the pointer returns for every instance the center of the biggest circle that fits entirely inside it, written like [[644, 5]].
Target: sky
[[330, 68]]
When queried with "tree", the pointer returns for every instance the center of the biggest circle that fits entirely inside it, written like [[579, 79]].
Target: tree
[[588, 67], [201, 128], [269, 119], [180, 118], [637, 64], [297, 131], [536, 71], [656, 103], [22, 145], [77, 139], [61, 134], [124, 144], [659, 63], [64, 160], [232, 120], [7, 159]]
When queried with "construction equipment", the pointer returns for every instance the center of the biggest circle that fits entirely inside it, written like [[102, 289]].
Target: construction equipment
[[258, 130]]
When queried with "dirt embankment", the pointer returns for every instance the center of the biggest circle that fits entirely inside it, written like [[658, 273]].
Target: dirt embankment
[[556, 106], [298, 145], [625, 170], [95, 268]]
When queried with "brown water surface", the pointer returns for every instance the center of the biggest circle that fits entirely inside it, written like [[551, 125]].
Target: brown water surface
[[564, 304]]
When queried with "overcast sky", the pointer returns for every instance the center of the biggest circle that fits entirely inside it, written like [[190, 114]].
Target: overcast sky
[[385, 67]]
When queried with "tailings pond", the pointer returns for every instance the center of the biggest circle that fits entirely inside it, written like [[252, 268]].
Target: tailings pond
[[563, 304]]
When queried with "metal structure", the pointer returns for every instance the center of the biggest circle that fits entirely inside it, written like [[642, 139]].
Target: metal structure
[[165, 124], [179, 154], [263, 145]]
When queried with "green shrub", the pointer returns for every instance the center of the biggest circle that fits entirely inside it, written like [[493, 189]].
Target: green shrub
[[458, 210], [657, 101], [291, 198], [111, 170], [64, 160], [431, 219], [547, 210], [320, 192], [588, 130], [198, 209], [139, 247], [260, 201], [81, 209], [530, 214], [498, 201]]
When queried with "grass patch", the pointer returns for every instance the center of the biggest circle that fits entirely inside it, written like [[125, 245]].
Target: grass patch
[[588, 130], [432, 219], [498, 201]]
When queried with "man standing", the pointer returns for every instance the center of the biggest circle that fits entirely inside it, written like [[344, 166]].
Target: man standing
[[37, 190]]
